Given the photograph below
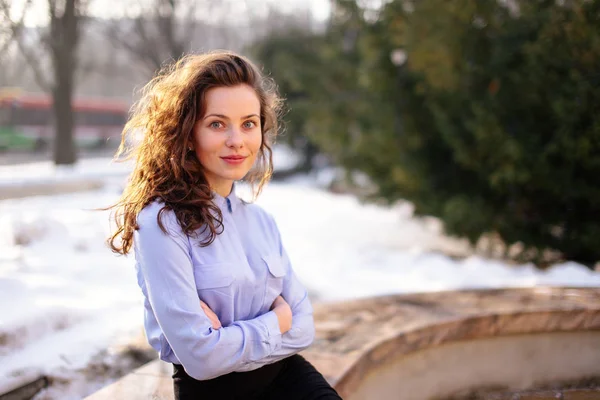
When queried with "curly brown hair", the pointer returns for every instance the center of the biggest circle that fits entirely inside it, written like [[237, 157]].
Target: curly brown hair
[[165, 170]]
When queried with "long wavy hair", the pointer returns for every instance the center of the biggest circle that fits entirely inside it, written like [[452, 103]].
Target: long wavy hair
[[165, 168]]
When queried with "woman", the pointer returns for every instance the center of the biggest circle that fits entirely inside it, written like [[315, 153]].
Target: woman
[[222, 303]]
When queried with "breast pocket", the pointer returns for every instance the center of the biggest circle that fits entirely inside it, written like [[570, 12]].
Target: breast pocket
[[275, 275], [213, 279]]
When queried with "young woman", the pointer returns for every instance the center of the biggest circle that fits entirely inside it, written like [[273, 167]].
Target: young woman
[[222, 302]]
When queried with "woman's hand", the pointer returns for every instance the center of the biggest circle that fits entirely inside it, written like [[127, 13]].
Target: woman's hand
[[216, 324], [284, 314]]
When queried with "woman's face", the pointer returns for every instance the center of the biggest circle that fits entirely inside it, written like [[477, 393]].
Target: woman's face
[[228, 136]]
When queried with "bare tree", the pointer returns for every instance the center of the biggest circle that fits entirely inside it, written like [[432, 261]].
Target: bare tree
[[59, 40], [161, 31]]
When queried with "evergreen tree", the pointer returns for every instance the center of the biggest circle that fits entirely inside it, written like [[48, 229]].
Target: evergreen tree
[[491, 123]]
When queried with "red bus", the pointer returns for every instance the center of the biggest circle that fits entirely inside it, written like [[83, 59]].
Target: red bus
[[26, 121]]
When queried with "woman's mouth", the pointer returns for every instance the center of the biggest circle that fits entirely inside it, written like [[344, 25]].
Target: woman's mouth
[[234, 160]]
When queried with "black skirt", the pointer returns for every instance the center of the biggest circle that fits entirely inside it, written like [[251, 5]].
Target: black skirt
[[292, 378]]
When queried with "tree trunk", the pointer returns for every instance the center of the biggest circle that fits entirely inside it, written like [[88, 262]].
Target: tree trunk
[[64, 143], [64, 36], [308, 154]]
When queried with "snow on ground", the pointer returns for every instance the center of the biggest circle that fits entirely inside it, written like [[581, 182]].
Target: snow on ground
[[343, 249], [65, 298], [46, 171]]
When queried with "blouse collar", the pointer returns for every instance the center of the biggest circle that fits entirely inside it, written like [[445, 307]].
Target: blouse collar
[[228, 203]]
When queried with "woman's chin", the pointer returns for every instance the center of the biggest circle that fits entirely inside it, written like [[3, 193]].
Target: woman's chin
[[236, 176], [232, 172]]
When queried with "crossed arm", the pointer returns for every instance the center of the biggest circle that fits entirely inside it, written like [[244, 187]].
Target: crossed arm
[[280, 307], [168, 283], [297, 311]]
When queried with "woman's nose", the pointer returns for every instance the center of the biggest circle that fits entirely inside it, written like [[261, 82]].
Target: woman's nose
[[235, 138]]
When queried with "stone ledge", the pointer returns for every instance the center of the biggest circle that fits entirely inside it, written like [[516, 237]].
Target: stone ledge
[[359, 336], [566, 394], [356, 336]]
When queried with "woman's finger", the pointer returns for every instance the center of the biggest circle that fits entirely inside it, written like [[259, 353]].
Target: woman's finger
[[209, 313], [214, 320]]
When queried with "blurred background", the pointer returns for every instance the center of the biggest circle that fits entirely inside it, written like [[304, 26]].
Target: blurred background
[[428, 145]]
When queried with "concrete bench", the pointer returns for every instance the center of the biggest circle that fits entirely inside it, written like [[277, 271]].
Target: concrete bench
[[437, 345]]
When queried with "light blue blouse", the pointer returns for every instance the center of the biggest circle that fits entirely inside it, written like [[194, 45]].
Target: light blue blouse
[[239, 276]]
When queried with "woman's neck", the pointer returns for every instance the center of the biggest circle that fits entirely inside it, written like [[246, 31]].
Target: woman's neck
[[222, 188]]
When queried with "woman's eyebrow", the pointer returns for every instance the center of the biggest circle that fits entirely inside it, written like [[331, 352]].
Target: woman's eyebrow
[[227, 118], [216, 115]]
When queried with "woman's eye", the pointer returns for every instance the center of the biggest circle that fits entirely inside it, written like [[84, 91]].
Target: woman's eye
[[249, 124], [216, 125]]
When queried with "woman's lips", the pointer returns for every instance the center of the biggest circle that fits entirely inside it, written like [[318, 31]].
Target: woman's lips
[[233, 160]]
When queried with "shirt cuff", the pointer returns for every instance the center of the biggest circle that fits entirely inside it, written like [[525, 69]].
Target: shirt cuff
[[273, 334]]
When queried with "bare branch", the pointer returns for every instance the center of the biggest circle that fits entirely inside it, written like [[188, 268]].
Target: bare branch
[[141, 52], [86, 67], [52, 9], [16, 32], [33, 62], [160, 32], [4, 48], [148, 45], [189, 25]]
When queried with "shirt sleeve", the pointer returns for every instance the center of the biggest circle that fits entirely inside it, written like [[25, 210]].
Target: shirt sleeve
[[302, 333], [166, 266]]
